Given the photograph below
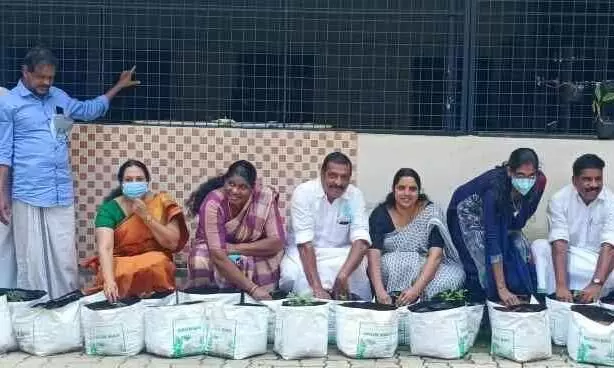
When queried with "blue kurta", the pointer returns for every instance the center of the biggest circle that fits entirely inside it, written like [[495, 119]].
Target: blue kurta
[[486, 229]]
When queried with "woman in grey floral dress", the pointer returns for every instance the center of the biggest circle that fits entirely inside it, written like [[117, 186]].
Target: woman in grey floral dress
[[412, 251]]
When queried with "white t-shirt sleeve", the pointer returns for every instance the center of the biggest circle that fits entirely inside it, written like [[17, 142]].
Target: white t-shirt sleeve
[[301, 215], [359, 228]]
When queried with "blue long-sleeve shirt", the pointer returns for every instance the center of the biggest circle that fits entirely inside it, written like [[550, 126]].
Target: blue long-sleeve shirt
[[38, 157]]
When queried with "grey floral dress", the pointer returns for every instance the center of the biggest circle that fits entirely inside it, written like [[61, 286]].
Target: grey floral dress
[[405, 250]]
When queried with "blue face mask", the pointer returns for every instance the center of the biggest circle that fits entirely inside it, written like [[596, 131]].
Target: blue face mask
[[523, 185], [135, 189]]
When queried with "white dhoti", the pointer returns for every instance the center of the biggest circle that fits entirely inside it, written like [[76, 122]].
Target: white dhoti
[[8, 264], [581, 265], [329, 261], [45, 248]]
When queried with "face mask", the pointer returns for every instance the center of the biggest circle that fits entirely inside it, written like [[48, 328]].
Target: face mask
[[523, 185], [135, 189]]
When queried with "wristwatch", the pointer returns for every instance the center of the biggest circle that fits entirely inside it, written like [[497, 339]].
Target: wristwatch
[[597, 281]]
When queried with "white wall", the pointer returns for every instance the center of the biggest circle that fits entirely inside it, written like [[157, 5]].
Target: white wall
[[444, 163]]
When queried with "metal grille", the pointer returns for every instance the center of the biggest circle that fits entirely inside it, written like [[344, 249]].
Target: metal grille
[[448, 66], [355, 64], [537, 62]]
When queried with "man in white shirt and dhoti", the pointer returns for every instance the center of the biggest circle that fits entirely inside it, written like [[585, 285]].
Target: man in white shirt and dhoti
[[328, 235], [579, 250]]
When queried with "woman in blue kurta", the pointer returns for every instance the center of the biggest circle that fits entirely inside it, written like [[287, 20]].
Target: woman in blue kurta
[[486, 217]]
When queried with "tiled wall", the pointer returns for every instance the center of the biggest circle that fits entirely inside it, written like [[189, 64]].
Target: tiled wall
[[181, 158]]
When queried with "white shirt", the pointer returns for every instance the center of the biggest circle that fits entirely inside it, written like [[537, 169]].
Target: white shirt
[[327, 225], [588, 227]]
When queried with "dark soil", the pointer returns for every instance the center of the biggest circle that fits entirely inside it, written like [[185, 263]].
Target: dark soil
[[434, 306], [22, 295], [61, 301], [394, 295], [576, 298], [598, 314], [609, 299], [160, 294], [524, 299], [210, 290], [308, 304], [105, 305], [186, 303], [523, 308], [278, 294], [370, 306], [250, 305], [349, 298]]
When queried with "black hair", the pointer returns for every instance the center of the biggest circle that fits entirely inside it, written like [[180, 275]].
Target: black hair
[[241, 168], [120, 177], [337, 158], [39, 55], [587, 161], [522, 156], [502, 183], [402, 173]]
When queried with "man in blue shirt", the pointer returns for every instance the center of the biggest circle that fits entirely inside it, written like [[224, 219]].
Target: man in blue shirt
[[36, 183], [7, 249]]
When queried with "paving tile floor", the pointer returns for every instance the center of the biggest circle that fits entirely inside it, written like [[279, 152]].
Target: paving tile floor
[[478, 358]]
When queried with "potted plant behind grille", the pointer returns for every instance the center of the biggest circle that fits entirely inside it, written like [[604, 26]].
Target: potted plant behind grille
[[603, 109]]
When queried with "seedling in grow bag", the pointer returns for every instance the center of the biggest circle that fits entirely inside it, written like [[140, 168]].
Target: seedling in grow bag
[[305, 300], [22, 295]]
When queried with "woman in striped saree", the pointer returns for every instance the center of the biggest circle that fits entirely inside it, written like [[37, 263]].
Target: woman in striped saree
[[240, 237]]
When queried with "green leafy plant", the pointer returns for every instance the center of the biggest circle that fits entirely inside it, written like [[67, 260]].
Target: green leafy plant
[[602, 96], [576, 294], [460, 295], [15, 296], [296, 300]]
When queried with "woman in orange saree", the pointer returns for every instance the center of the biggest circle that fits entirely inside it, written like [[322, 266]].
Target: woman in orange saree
[[137, 233]]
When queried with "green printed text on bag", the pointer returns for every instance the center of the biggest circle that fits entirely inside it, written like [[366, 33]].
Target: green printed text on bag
[[222, 338], [188, 337], [372, 336], [503, 342], [596, 350], [105, 339]]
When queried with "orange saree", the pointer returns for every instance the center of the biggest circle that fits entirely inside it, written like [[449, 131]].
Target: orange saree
[[141, 265]]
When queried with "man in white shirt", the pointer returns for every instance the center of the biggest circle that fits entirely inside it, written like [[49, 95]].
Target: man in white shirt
[[581, 236], [328, 235]]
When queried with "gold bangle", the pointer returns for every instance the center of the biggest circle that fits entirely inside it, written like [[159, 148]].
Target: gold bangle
[[254, 288]]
